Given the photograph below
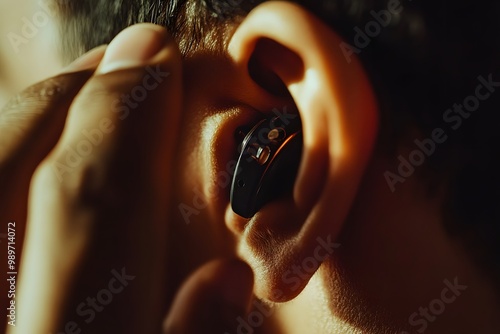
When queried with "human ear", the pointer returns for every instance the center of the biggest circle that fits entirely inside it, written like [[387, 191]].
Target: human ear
[[289, 52]]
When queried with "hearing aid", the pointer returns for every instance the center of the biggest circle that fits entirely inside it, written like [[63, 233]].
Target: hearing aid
[[269, 157]]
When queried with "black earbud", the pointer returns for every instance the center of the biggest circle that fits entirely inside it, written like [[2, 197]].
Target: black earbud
[[269, 158]]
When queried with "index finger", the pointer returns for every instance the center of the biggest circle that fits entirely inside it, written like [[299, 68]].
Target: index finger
[[30, 125]]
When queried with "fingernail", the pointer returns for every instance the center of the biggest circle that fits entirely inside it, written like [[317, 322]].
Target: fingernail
[[133, 47], [89, 60]]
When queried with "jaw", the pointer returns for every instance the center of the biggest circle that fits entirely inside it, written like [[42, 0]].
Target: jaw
[[396, 257]]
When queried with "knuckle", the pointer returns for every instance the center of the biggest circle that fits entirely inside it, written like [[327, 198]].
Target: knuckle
[[45, 181], [22, 113], [27, 112], [37, 97], [68, 180], [85, 183], [32, 97]]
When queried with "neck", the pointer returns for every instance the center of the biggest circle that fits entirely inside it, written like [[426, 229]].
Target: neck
[[397, 270]]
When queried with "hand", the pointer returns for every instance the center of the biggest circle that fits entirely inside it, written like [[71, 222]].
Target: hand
[[30, 126], [96, 217]]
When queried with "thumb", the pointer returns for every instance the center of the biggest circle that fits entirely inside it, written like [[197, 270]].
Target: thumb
[[212, 299]]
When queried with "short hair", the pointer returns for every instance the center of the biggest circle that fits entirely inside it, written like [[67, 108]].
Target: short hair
[[427, 59]]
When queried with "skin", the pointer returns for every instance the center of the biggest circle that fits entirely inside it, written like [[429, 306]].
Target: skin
[[18, 67], [392, 253]]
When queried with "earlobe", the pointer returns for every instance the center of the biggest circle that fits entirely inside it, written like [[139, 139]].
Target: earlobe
[[340, 122]]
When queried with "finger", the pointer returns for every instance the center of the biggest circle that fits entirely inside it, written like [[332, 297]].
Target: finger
[[30, 125], [32, 121], [132, 103], [103, 191], [212, 299]]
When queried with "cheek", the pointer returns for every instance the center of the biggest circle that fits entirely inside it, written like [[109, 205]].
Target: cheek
[[198, 222], [200, 180], [194, 163], [190, 174]]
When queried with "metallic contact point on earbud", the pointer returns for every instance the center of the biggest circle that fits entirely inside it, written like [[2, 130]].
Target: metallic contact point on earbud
[[264, 154], [276, 134], [260, 153]]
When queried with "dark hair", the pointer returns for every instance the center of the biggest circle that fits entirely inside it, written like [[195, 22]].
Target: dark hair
[[90, 23], [427, 59]]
